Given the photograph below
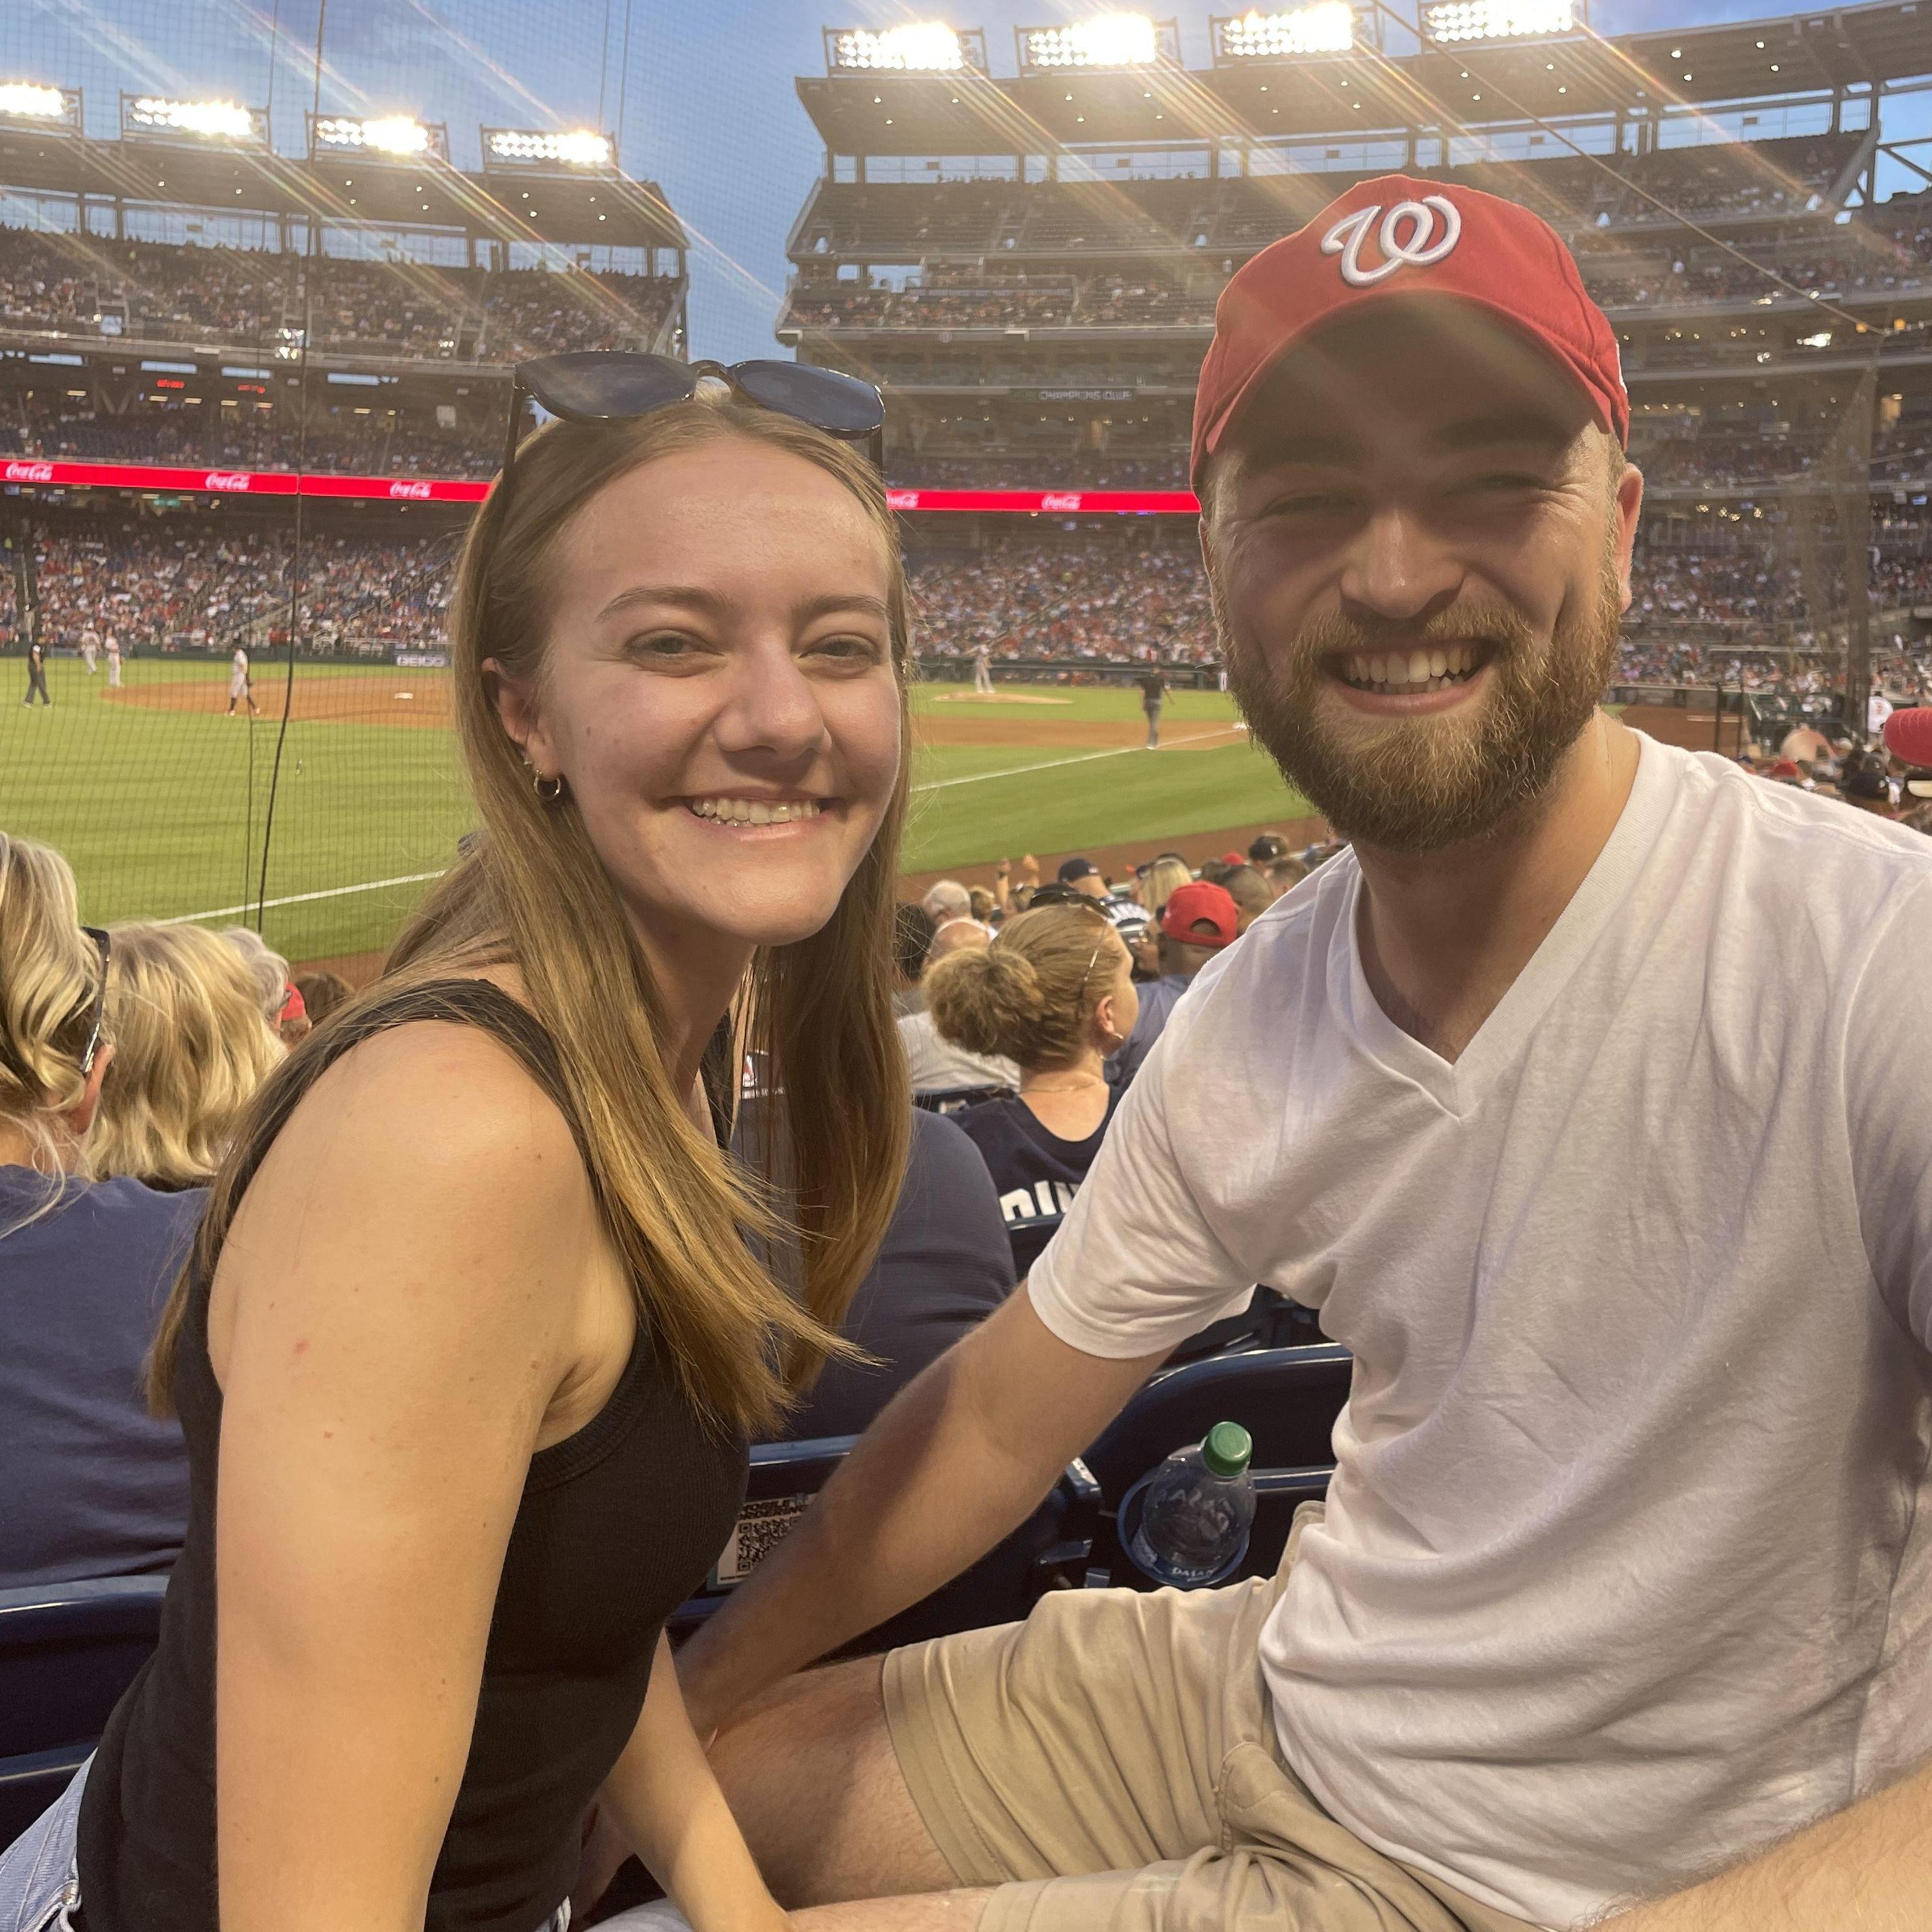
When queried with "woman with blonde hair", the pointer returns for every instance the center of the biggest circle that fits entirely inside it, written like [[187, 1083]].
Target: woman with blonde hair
[[1159, 882], [95, 1487], [190, 1047], [1053, 993], [478, 1320]]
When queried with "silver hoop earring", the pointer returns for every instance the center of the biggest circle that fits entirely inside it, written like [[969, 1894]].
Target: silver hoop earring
[[553, 795]]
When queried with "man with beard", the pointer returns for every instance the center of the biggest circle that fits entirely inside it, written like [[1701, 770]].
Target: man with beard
[[1615, 1185]]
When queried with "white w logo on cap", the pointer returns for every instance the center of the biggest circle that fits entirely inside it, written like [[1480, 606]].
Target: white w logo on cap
[[1415, 233]]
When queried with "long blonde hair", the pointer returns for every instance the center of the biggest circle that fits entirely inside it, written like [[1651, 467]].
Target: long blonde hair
[[531, 891], [1028, 997], [49, 975], [1164, 877], [190, 1047]]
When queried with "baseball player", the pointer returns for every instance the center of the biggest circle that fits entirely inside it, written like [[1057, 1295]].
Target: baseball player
[[90, 647], [241, 685], [113, 648], [1153, 694], [982, 673], [36, 675]]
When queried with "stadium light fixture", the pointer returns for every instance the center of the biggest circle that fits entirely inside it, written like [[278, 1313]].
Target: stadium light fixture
[[1325, 27], [576, 147], [1458, 22], [27, 100], [914, 46], [1106, 40], [153, 115], [395, 136]]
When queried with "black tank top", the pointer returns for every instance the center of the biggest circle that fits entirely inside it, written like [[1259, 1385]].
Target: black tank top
[[617, 1525]]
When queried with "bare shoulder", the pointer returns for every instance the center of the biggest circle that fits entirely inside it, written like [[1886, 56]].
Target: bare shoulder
[[428, 1163]]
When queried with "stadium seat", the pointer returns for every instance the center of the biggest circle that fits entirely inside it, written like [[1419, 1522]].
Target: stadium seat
[[957, 1099], [1287, 1400], [1049, 1551], [67, 1650]]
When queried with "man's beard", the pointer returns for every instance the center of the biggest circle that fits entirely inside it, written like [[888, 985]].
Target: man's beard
[[1418, 784]]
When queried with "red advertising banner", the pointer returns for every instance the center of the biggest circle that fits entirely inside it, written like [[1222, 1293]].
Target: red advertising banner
[[59, 473], [1058, 502]]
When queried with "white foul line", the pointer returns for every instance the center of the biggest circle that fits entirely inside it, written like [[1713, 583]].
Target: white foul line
[[303, 898], [935, 785]]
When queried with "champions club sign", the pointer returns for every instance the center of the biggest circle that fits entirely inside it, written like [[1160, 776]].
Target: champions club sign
[[32, 471]]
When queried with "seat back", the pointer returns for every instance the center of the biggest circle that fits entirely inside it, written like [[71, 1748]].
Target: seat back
[[1287, 1400], [957, 1099], [1050, 1550], [67, 1652]]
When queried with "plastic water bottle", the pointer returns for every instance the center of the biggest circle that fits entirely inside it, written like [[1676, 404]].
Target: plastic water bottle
[[1196, 1511]]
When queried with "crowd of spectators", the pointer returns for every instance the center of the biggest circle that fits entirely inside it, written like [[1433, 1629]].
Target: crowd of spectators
[[162, 593], [90, 285]]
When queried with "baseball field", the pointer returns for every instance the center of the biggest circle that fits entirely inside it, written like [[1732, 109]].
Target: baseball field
[[162, 801]]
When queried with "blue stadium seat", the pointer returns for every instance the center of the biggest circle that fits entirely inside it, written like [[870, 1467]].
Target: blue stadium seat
[[957, 1099], [1286, 1399], [1051, 1550], [67, 1650]]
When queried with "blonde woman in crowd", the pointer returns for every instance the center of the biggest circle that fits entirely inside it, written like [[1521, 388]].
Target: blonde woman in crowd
[[1054, 994], [190, 1047], [95, 1486], [1158, 885], [474, 1336]]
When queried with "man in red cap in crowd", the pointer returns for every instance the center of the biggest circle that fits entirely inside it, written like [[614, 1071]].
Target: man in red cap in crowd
[[1198, 920], [1620, 1609]]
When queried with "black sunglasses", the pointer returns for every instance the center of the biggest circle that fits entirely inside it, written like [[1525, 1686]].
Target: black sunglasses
[[103, 946], [97, 1013], [588, 385]]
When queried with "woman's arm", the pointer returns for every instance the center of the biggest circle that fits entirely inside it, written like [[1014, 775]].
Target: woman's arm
[[665, 1804], [399, 1300]]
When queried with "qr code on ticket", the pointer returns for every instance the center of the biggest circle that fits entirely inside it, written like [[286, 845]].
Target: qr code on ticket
[[759, 1531]]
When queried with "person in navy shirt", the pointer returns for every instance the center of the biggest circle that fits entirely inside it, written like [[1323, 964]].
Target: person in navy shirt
[[1054, 994]]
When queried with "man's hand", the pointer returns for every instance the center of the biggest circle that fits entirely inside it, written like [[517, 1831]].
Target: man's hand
[[1030, 869]]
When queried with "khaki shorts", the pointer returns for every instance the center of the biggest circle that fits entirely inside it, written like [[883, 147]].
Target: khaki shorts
[[1111, 1765]]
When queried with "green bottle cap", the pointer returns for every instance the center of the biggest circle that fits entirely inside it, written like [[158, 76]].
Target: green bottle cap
[[1227, 1450]]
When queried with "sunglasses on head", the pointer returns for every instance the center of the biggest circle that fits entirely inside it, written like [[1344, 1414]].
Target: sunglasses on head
[[613, 386], [97, 1014]]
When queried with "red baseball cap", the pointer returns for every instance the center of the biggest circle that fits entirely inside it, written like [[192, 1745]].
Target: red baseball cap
[[1201, 903], [1397, 236]]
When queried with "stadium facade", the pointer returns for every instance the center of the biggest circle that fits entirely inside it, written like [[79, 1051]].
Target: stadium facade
[[195, 328]]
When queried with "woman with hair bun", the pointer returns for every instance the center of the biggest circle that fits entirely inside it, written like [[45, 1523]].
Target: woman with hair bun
[[1053, 993], [95, 1486]]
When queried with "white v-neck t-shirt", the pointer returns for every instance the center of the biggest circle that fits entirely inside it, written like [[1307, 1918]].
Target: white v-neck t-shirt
[[1626, 1569]]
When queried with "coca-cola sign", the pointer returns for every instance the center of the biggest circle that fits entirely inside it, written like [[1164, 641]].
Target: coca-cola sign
[[30, 472], [1060, 499], [229, 479], [901, 500], [420, 493]]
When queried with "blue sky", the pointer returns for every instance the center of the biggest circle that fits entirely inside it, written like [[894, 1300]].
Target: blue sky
[[706, 94]]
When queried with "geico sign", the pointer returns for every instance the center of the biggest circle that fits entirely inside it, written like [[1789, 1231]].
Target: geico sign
[[418, 491], [228, 479], [30, 472]]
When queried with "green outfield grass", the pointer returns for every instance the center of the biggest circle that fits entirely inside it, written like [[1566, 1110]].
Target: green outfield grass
[[162, 812]]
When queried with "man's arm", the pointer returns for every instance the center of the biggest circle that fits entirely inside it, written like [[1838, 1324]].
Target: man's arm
[[958, 1459], [1866, 1870]]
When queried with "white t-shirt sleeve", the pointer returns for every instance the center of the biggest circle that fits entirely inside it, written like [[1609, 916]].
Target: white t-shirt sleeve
[[1134, 1268], [1887, 1109]]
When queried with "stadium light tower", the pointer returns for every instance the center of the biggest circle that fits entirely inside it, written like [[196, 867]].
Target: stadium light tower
[[1463, 23], [577, 147], [914, 46], [26, 103], [154, 117], [1325, 27], [1106, 40], [389, 136]]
